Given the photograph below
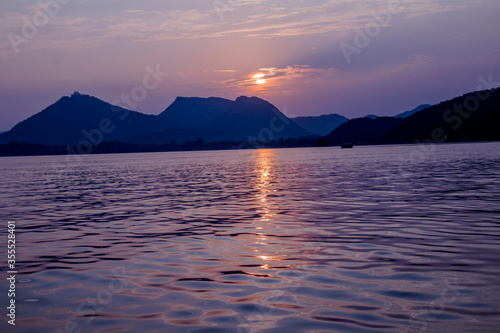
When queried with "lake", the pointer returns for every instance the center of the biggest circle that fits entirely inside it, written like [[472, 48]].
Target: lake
[[401, 238]]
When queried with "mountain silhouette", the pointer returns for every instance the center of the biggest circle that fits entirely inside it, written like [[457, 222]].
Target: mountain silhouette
[[406, 114], [474, 116], [464, 118], [81, 118], [362, 130], [320, 125], [67, 122], [246, 118]]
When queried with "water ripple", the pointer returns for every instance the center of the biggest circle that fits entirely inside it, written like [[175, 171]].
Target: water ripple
[[292, 240]]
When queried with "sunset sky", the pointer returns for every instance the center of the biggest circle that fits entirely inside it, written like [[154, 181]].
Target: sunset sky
[[287, 52]]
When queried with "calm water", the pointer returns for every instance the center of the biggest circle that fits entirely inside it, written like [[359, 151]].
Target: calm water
[[370, 239]]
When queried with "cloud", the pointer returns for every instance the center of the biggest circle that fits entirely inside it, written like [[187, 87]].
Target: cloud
[[279, 81], [69, 31], [302, 18]]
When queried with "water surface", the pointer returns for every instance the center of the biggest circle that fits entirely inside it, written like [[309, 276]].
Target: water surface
[[370, 239]]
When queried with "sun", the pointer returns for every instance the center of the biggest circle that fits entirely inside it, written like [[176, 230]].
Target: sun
[[259, 79]]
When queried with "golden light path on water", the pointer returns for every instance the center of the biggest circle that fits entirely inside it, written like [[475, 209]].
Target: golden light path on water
[[262, 245], [264, 187]]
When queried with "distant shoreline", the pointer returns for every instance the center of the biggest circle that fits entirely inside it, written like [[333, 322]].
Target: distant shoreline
[[15, 149]]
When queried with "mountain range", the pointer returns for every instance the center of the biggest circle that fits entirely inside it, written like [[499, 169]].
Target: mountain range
[[66, 122], [406, 114], [473, 116], [320, 125], [82, 118]]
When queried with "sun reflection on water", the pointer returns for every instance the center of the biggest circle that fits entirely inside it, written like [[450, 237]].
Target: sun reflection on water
[[264, 170], [262, 243]]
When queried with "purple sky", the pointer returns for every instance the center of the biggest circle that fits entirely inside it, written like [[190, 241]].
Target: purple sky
[[287, 52]]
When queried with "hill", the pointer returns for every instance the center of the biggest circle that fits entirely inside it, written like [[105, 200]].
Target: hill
[[464, 118], [242, 119], [78, 117], [320, 125], [83, 118], [474, 116], [362, 130], [406, 114]]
